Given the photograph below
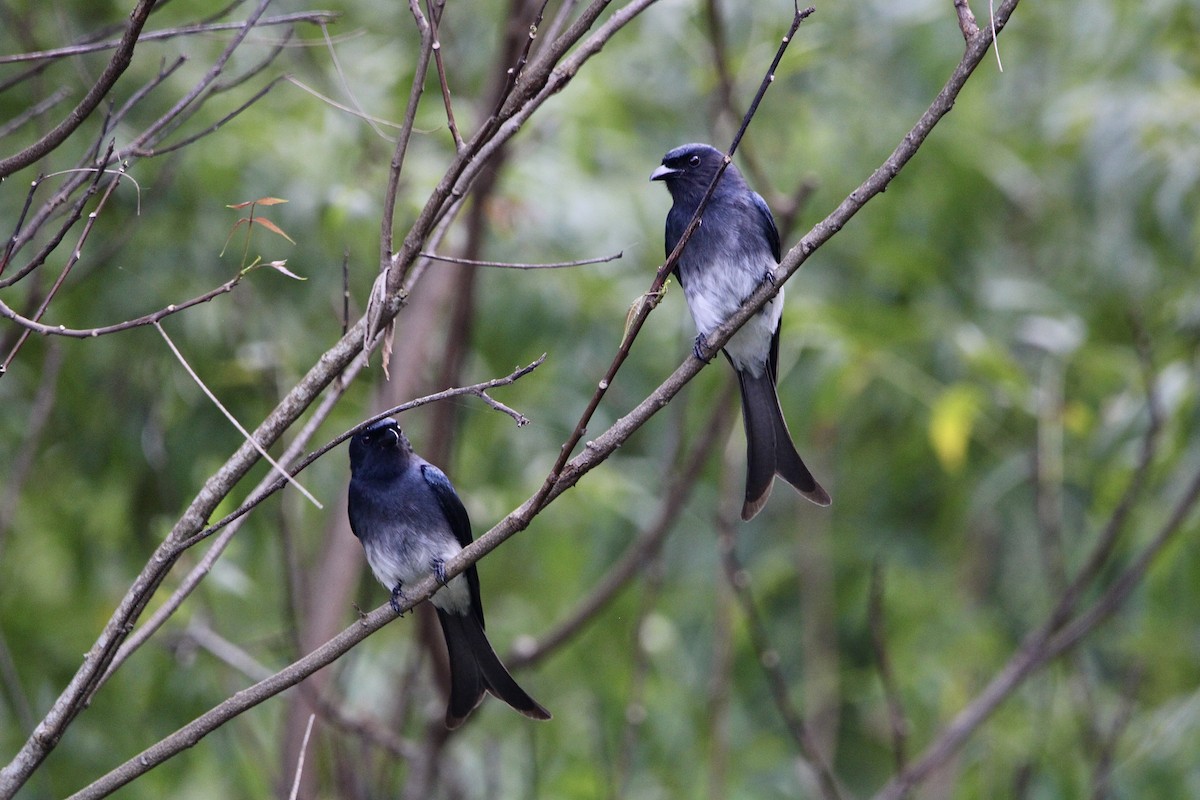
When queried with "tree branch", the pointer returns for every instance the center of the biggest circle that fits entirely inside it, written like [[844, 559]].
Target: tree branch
[[116, 67]]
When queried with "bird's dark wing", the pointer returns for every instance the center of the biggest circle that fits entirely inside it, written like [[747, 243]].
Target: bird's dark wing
[[452, 507], [460, 525], [767, 221], [677, 222], [354, 508]]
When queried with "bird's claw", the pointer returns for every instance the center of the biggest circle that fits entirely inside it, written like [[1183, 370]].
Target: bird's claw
[[439, 571], [397, 599], [769, 277], [699, 347]]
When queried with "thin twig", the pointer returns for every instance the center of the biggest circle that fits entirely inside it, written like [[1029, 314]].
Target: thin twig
[[300, 761], [769, 660], [341, 73], [406, 128], [435, 18], [174, 116], [92, 333], [150, 152], [516, 265], [11, 244], [232, 419], [374, 121], [897, 719], [316, 17], [71, 261]]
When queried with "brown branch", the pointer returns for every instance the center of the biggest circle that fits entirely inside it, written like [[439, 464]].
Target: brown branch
[[966, 20], [648, 543], [435, 18], [149, 152], [406, 128], [139, 322], [11, 244], [116, 67], [66, 270]]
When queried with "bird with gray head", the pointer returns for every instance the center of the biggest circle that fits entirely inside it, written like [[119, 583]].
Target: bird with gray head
[[411, 522], [733, 251]]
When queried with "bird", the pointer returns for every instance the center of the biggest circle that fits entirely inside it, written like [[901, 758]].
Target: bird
[[411, 522], [733, 251]]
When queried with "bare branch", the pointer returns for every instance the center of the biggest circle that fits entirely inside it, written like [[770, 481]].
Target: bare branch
[[116, 66], [174, 114], [321, 18], [148, 152], [300, 762], [71, 261], [966, 20], [648, 543], [435, 17], [104, 330], [406, 128]]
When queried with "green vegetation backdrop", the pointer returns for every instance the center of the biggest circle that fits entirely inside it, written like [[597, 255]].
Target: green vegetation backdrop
[[993, 359]]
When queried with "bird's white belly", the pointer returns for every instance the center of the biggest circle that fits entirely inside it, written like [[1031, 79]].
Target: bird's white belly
[[405, 567], [751, 345]]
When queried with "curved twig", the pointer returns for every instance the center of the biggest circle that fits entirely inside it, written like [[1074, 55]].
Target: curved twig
[[515, 265]]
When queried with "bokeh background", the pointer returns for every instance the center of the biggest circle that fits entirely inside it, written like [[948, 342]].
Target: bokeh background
[[967, 367]]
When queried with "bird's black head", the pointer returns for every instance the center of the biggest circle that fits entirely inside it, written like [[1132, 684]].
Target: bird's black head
[[690, 168], [379, 448]]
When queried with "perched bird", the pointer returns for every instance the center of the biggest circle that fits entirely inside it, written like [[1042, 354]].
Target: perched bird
[[410, 522], [731, 253]]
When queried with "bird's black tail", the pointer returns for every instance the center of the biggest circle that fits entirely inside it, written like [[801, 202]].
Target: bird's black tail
[[769, 448], [475, 668]]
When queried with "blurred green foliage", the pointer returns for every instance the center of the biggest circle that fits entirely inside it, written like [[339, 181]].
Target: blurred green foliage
[[989, 301]]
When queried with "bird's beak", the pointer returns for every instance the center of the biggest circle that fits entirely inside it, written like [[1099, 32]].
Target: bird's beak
[[662, 173]]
